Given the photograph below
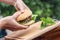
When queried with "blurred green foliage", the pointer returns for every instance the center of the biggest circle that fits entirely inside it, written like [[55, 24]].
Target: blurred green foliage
[[6, 10], [42, 8], [47, 22]]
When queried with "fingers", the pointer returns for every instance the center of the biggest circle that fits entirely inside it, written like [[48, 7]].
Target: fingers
[[16, 7], [17, 26], [26, 7], [16, 14], [19, 5]]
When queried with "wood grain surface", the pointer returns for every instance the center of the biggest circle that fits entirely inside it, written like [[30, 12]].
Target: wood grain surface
[[51, 35]]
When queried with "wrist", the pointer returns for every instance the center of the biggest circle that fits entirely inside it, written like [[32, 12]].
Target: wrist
[[11, 2], [2, 23]]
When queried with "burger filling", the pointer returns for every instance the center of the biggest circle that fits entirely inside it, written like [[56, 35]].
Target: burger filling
[[26, 20]]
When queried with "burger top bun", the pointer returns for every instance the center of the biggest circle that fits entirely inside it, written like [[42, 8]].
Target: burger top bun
[[24, 15]]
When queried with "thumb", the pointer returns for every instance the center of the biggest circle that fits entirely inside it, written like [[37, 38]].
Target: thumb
[[16, 14], [18, 26]]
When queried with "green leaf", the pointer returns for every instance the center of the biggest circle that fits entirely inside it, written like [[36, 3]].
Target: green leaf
[[34, 17], [47, 22]]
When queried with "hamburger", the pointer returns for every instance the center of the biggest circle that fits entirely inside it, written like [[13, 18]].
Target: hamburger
[[25, 18]]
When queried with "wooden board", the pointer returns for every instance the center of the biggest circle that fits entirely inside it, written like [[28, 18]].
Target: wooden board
[[51, 35], [33, 31]]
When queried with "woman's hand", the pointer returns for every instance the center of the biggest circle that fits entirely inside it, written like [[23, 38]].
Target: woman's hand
[[10, 22], [20, 5]]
